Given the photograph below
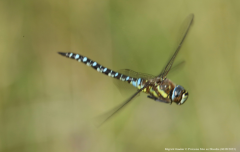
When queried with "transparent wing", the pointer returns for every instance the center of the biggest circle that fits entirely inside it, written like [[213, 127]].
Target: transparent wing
[[118, 108], [134, 74], [186, 25]]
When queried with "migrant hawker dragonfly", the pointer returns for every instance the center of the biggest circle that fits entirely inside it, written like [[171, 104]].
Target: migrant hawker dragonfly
[[158, 88]]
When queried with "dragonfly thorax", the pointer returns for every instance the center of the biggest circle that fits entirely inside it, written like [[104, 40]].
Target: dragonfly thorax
[[179, 95], [162, 90], [168, 92]]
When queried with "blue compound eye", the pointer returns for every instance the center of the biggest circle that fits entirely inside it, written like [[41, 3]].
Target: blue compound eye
[[179, 95]]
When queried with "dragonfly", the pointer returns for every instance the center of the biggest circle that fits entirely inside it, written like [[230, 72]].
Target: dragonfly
[[159, 88]]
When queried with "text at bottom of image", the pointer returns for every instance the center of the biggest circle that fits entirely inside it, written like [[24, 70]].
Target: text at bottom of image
[[200, 149]]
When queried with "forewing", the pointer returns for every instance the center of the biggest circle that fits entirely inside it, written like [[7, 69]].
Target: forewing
[[135, 74], [186, 25]]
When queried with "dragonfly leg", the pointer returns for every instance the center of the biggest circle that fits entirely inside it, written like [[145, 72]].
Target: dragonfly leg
[[157, 99]]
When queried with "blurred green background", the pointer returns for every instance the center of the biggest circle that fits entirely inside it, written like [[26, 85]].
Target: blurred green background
[[50, 103]]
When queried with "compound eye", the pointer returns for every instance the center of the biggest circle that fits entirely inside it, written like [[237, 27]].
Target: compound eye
[[177, 93]]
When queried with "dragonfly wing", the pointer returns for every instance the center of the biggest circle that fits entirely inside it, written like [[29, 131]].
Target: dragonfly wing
[[135, 74], [118, 108], [187, 23]]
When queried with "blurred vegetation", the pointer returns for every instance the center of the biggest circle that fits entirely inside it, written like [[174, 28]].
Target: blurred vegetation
[[49, 103]]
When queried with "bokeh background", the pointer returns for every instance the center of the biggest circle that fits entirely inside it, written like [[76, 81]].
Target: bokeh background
[[50, 103]]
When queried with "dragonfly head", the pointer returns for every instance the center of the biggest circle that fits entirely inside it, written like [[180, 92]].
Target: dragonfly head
[[179, 95]]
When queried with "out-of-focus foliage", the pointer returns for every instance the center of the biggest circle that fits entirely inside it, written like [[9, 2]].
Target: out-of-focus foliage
[[49, 103]]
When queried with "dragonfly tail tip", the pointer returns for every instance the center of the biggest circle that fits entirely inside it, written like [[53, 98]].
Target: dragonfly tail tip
[[61, 53]]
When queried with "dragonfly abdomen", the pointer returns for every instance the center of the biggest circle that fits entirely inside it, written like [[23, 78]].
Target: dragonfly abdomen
[[136, 82]]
